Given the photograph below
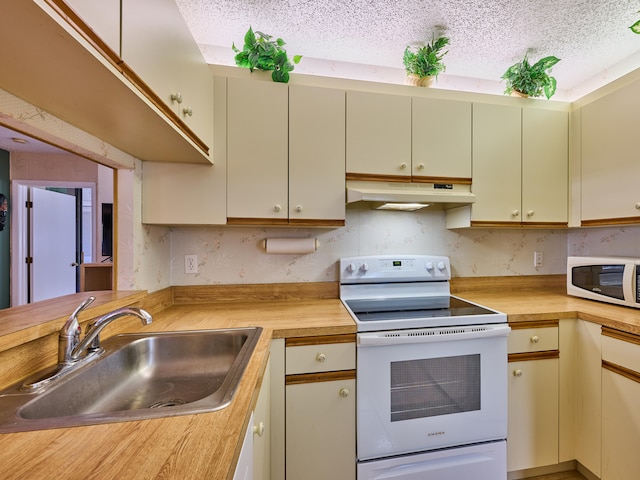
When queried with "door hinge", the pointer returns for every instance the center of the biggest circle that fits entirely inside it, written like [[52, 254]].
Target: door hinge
[[28, 204], [28, 260]]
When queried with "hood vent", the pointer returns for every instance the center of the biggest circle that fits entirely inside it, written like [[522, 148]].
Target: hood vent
[[433, 195]]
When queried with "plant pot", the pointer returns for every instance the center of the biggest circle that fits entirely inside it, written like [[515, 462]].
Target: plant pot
[[419, 81], [515, 93]]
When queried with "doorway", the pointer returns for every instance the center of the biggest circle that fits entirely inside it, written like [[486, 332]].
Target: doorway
[[52, 236]]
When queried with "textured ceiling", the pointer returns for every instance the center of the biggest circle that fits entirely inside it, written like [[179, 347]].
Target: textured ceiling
[[589, 36]]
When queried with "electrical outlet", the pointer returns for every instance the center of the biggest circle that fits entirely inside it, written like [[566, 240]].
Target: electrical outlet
[[538, 259], [191, 264]]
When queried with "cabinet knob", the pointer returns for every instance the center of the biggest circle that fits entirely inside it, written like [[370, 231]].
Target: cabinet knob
[[188, 112], [530, 213], [277, 208], [638, 206], [176, 97], [403, 165], [421, 166], [258, 429], [321, 357], [515, 213], [298, 208], [535, 339], [517, 372], [344, 392]]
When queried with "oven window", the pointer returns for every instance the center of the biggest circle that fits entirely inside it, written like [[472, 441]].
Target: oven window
[[434, 386]]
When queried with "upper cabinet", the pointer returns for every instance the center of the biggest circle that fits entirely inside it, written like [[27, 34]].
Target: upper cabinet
[[103, 16], [160, 49], [520, 168], [440, 140], [610, 158], [378, 137], [316, 155], [285, 154], [257, 151], [400, 138], [73, 70]]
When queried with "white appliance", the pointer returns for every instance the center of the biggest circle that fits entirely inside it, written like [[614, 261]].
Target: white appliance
[[606, 279], [431, 372]]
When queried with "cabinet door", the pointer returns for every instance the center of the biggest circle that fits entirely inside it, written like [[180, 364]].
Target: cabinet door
[[545, 157], [244, 467], [262, 429], [378, 135], [184, 194], [610, 156], [103, 16], [321, 430], [588, 394], [158, 46], [441, 140], [497, 163], [620, 426], [316, 154], [257, 150], [532, 438]]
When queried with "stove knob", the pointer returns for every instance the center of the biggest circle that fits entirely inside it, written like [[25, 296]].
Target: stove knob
[[441, 266], [429, 266], [351, 268], [364, 267]]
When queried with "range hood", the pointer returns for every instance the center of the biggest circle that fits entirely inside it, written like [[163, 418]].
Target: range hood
[[433, 195]]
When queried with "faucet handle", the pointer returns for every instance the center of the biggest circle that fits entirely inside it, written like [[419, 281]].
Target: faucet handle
[[69, 335]]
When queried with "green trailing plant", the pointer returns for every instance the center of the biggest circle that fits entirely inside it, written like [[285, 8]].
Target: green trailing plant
[[262, 52], [532, 80], [635, 28], [426, 61]]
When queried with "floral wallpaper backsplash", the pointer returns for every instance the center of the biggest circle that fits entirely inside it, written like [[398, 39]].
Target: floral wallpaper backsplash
[[230, 255], [234, 255]]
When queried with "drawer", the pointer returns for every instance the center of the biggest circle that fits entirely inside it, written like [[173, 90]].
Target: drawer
[[621, 349], [535, 339], [326, 357]]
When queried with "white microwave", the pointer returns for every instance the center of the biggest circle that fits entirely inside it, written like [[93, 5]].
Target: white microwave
[[606, 279]]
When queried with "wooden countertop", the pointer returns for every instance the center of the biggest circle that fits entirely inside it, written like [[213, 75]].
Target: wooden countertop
[[207, 445], [184, 447]]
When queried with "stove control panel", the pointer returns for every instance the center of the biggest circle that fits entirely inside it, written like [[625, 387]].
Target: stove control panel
[[394, 268]]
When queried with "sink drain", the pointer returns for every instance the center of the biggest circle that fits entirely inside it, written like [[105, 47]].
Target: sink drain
[[168, 403]]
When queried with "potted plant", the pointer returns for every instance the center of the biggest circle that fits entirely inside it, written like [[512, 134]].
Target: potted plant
[[526, 80], [263, 53], [423, 64]]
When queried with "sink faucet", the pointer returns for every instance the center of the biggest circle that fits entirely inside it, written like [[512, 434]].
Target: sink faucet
[[73, 352], [91, 341]]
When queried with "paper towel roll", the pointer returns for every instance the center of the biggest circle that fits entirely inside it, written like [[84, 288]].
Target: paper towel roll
[[296, 246]]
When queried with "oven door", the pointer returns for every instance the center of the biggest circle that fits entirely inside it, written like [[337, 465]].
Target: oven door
[[430, 388]]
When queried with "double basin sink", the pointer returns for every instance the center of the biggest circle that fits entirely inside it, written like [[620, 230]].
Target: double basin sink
[[139, 376]]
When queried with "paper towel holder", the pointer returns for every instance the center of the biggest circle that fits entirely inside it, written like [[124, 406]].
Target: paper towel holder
[[292, 245]]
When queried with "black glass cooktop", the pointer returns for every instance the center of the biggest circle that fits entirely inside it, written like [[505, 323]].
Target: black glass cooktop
[[371, 310]]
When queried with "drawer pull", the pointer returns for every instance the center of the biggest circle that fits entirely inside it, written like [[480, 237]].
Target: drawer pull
[[258, 429], [517, 372], [344, 392], [535, 339], [321, 357]]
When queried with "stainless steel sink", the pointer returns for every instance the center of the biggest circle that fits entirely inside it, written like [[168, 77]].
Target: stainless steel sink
[[139, 376]]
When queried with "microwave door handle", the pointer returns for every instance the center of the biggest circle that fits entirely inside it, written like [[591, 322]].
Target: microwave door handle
[[629, 283]]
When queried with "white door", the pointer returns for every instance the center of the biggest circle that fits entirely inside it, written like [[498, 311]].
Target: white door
[[53, 271]]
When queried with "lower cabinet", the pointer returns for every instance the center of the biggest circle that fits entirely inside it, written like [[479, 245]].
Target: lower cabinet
[[320, 406], [533, 387], [244, 467], [620, 400]]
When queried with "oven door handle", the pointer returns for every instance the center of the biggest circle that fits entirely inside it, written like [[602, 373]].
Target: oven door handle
[[449, 334]]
